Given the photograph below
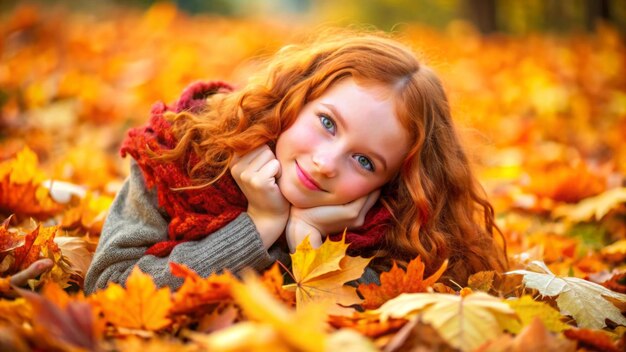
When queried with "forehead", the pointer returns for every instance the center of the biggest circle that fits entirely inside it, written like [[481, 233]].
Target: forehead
[[368, 112]]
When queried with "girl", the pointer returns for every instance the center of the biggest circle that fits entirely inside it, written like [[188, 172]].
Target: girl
[[349, 131]]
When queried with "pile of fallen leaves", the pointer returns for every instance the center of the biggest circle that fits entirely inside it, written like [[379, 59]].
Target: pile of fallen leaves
[[546, 130]]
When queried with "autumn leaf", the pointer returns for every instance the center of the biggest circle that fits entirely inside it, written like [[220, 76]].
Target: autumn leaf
[[615, 252], [596, 340], [302, 330], [397, 281], [592, 208], [245, 336], [273, 281], [418, 336], [21, 192], [320, 273], [571, 291], [140, 306], [566, 183], [197, 295], [481, 281], [220, 318], [464, 322], [88, 215], [528, 309], [366, 324], [533, 337], [71, 323]]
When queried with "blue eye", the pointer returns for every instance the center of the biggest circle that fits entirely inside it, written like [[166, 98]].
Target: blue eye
[[327, 123], [364, 162]]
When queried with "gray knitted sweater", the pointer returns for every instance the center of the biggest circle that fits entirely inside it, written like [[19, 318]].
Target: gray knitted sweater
[[135, 223]]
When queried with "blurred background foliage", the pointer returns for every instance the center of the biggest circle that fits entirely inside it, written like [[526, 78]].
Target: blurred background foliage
[[538, 90], [505, 16]]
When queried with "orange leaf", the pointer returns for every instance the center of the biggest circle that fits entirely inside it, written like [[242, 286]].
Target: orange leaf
[[273, 281], [366, 324], [197, 295], [21, 192], [593, 339], [140, 306], [397, 281]]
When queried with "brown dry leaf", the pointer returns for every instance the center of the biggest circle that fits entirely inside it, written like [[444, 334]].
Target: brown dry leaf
[[76, 253], [481, 281], [397, 281], [199, 295], [273, 281], [594, 339], [320, 273], [302, 330], [21, 192], [140, 306]]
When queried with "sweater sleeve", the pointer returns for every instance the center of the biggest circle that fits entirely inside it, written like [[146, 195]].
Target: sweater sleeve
[[135, 223]]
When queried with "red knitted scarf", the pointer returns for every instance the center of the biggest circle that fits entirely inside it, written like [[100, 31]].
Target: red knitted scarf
[[195, 214]]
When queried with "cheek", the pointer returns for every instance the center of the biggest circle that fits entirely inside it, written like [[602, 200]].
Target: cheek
[[354, 187]]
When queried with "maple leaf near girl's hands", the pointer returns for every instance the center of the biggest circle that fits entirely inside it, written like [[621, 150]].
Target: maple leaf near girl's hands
[[571, 292], [320, 273], [397, 281]]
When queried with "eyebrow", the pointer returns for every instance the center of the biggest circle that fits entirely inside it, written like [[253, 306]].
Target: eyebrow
[[342, 122]]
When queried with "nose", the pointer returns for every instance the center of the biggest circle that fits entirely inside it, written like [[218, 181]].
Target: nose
[[325, 163]]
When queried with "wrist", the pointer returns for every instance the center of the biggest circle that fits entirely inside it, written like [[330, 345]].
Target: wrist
[[269, 226]]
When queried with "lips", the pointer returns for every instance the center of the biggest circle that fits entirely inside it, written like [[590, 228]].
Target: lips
[[307, 180]]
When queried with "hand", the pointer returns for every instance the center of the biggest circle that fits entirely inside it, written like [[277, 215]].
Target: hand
[[296, 231], [336, 218], [35, 269], [320, 221], [255, 174]]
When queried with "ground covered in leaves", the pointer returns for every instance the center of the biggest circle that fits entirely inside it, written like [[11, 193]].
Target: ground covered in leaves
[[543, 116]]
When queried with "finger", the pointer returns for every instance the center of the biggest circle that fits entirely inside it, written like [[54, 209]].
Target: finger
[[255, 159], [315, 238], [266, 155], [372, 198], [35, 269], [269, 171]]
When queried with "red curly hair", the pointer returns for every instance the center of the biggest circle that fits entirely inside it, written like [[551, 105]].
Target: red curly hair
[[440, 210]]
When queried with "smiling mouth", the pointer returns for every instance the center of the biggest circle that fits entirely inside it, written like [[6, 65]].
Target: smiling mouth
[[307, 180]]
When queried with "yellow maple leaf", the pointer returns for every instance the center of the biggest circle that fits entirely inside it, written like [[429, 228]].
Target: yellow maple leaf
[[302, 330], [464, 322], [140, 306], [528, 309], [320, 273]]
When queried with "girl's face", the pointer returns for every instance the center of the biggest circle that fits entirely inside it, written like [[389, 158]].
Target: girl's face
[[342, 146]]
